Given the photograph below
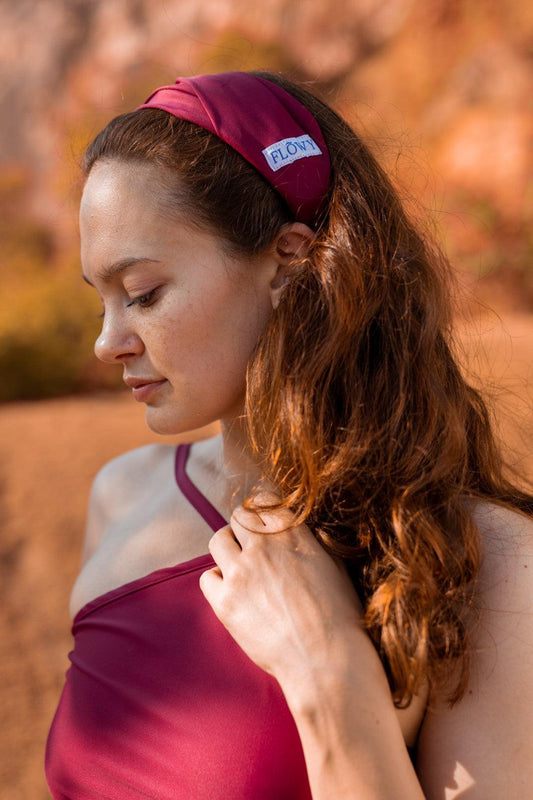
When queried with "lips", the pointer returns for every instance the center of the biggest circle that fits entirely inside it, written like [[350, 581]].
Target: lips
[[136, 383], [144, 388]]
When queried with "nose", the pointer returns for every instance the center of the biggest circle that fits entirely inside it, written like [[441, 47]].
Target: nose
[[116, 343]]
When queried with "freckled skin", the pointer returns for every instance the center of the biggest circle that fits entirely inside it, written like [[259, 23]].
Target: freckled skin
[[198, 329]]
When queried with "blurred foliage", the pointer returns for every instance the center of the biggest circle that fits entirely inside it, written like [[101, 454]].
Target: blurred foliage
[[49, 317], [47, 336]]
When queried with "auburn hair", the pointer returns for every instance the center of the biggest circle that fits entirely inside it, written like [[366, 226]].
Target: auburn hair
[[356, 408]]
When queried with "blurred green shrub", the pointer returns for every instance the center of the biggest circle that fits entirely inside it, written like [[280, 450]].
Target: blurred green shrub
[[49, 317], [47, 332]]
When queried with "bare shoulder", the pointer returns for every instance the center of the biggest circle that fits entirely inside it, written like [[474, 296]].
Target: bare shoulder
[[127, 474], [120, 485], [502, 528], [503, 622], [481, 747], [506, 577]]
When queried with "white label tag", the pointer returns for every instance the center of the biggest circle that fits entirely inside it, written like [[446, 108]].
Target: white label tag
[[287, 151]]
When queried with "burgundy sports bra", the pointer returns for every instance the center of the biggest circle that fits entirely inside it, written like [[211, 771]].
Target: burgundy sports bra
[[161, 703]]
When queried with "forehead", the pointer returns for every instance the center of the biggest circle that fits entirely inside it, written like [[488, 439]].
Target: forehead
[[112, 183], [127, 205], [126, 215]]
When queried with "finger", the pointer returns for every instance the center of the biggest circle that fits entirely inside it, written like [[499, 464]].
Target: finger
[[210, 584], [224, 548], [265, 497], [261, 521], [277, 519]]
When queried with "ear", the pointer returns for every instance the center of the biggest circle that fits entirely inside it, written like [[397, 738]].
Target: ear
[[290, 245]]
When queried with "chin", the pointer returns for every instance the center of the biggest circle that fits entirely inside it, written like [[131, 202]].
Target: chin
[[168, 424], [163, 424]]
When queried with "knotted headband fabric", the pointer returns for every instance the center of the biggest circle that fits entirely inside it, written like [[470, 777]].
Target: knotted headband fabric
[[265, 124]]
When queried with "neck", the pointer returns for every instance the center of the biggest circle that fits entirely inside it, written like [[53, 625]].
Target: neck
[[237, 466], [224, 467]]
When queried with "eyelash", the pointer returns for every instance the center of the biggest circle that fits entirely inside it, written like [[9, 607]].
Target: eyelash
[[144, 301]]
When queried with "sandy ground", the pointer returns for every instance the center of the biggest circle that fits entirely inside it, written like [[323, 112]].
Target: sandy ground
[[51, 450]]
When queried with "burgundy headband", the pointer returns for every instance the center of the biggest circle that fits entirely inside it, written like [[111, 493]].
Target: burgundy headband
[[265, 124]]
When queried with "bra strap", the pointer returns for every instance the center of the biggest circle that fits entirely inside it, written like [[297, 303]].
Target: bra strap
[[195, 497]]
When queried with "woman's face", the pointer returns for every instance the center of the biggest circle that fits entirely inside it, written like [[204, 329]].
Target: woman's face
[[181, 316]]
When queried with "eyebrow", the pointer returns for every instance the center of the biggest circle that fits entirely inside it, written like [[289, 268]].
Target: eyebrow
[[114, 269]]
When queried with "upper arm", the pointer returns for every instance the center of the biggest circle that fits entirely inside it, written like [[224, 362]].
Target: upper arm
[[482, 748]]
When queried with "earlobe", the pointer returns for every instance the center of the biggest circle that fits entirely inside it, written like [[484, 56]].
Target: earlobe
[[291, 244]]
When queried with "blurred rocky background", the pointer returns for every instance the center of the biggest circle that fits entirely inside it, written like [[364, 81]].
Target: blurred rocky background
[[442, 91]]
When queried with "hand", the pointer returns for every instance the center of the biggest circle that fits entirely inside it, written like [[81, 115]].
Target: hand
[[286, 602]]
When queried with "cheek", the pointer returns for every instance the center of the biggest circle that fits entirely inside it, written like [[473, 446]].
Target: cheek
[[213, 333], [251, 318], [232, 329]]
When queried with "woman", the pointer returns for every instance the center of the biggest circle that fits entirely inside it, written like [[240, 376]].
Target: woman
[[362, 627]]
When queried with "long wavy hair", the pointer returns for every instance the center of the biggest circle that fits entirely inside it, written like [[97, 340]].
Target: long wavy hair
[[356, 408]]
